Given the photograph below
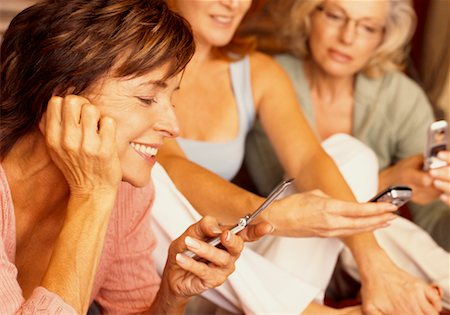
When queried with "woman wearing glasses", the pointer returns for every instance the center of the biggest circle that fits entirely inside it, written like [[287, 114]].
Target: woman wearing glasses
[[228, 86], [345, 70]]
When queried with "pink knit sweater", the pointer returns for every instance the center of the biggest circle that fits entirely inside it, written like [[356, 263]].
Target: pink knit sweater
[[126, 281]]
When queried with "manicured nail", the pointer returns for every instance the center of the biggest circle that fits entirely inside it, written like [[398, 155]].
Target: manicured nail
[[391, 207], [445, 198], [180, 258], [434, 173], [216, 230], [192, 243], [228, 236]]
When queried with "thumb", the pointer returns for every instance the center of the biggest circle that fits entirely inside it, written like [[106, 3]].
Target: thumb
[[254, 232]]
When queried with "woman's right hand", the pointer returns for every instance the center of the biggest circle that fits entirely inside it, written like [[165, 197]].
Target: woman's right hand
[[82, 144], [314, 214], [408, 171]]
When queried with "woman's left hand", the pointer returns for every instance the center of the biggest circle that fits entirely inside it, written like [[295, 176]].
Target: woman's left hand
[[186, 277], [441, 177]]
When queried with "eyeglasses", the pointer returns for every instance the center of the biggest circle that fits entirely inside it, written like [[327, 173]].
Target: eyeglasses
[[337, 18]]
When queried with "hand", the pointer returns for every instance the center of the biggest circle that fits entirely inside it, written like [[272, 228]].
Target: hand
[[82, 144], [441, 177], [408, 171], [389, 290], [184, 277], [315, 214]]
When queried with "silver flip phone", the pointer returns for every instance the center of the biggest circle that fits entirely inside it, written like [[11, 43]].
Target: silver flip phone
[[396, 195], [246, 220], [437, 140]]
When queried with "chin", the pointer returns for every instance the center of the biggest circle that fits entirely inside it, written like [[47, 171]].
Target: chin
[[139, 180]]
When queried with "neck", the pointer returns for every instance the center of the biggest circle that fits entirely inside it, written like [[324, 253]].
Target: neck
[[35, 181], [326, 87]]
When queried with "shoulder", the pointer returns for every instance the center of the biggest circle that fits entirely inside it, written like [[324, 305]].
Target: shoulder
[[265, 74]]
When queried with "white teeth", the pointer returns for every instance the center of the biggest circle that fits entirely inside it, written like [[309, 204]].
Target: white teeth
[[144, 149], [222, 19]]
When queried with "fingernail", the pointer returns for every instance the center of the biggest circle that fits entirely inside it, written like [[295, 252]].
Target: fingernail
[[216, 230], [391, 207], [180, 258], [445, 198], [434, 173], [272, 228], [192, 243], [228, 236]]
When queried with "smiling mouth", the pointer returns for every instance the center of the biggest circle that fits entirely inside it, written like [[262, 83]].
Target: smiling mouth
[[222, 19], [146, 150]]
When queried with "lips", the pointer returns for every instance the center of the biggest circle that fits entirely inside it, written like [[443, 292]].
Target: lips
[[222, 19], [339, 56], [148, 152]]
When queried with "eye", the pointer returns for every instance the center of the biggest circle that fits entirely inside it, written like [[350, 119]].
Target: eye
[[334, 16], [369, 29], [146, 101]]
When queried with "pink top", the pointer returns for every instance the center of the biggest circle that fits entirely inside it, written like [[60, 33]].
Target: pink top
[[126, 281]]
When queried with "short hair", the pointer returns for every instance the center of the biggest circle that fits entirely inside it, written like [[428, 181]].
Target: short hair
[[390, 55], [57, 46]]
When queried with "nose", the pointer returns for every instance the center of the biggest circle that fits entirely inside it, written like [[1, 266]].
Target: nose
[[167, 123], [348, 32], [232, 4]]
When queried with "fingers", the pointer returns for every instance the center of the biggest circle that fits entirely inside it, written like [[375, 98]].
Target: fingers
[[434, 296], [352, 209], [254, 232]]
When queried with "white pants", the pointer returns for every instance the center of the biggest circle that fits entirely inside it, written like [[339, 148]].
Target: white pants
[[283, 275]]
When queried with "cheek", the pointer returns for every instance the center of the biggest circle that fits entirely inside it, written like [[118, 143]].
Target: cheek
[[365, 53]]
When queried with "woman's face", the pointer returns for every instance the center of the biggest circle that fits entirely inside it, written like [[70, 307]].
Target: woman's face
[[214, 22], [345, 34], [144, 116]]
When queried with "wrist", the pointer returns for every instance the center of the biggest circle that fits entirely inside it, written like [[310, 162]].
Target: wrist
[[167, 302]]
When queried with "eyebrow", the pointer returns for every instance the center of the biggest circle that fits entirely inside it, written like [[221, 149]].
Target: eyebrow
[[368, 18], [158, 83]]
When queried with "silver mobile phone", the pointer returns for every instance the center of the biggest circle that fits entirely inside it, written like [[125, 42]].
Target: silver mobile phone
[[397, 195], [246, 220], [437, 140]]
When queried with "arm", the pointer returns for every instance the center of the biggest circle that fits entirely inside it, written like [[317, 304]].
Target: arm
[[92, 171], [301, 156]]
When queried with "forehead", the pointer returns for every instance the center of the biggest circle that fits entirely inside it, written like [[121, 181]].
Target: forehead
[[357, 9]]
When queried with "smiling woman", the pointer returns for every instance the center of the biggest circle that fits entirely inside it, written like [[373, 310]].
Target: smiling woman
[[85, 105]]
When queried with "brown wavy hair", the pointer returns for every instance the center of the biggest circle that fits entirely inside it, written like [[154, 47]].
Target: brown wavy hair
[[390, 55], [57, 46]]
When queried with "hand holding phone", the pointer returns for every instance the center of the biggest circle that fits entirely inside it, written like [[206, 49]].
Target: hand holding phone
[[397, 195], [246, 220], [437, 140]]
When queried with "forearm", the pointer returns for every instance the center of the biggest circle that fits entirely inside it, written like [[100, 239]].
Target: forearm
[[75, 257], [320, 172], [209, 193]]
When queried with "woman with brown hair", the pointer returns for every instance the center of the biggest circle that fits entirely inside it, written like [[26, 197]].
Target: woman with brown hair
[[85, 106]]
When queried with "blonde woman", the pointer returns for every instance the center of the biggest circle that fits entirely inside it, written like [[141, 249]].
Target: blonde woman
[[345, 70]]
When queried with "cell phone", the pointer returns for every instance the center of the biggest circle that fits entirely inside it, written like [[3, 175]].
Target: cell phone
[[397, 195], [437, 140], [247, 219]]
